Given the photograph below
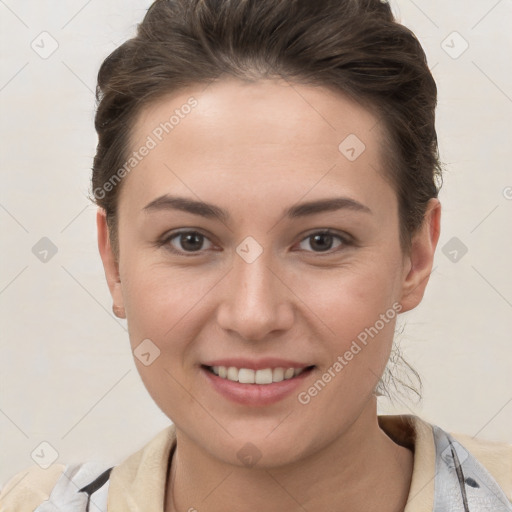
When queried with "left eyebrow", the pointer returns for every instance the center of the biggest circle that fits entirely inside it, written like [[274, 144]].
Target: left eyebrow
[[208, 210], [326, 205]]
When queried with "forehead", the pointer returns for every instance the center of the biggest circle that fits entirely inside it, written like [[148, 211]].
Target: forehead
[[269, 111], [255, 136]]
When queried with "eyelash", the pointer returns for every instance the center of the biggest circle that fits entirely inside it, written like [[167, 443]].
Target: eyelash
[[167, 239]]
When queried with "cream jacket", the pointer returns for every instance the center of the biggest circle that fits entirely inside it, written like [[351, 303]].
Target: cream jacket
[[451, 473]]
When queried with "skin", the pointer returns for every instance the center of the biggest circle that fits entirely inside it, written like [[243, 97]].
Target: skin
[[255, 149]]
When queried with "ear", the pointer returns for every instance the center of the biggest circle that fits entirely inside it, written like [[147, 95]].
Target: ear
[[110, 264], [420, 260]]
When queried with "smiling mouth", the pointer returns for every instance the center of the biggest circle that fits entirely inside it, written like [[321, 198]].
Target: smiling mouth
[[263, 376]]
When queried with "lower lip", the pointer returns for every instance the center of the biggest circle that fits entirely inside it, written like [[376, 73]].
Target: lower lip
[[255, 394]]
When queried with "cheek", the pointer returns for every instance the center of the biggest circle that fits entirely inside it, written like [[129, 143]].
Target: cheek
[[356, 347], [160, 300], [160, 307], [355, 311], [347, 300]]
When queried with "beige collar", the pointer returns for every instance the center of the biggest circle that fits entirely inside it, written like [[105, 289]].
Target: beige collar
[[139, 483], [416, 434]]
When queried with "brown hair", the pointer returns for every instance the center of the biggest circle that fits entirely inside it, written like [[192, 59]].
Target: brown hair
[[352, 46]]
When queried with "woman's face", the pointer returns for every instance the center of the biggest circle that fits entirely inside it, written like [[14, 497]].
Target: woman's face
[[258, 286]]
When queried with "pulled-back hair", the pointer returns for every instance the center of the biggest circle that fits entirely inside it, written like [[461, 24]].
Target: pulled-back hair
[[352, 46]]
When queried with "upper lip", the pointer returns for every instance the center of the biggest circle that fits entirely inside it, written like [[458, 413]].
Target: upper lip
[[259, 364]]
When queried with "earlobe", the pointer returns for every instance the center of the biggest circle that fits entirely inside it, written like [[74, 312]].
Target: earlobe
[[110, 264], [421, 257]]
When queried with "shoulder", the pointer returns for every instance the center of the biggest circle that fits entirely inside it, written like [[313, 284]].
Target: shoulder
[[29, 488], [486, 465], [56, 488], [496, 457], [70, 487]]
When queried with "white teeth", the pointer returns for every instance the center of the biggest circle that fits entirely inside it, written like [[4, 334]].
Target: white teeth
[[249, 376], [278, 374], [233, 373], [289, 373], [246, 376], [263, 376]]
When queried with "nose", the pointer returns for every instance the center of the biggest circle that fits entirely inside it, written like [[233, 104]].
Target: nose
[[256, 300]]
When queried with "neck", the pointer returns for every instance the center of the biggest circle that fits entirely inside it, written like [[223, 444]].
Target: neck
[[353, 472]]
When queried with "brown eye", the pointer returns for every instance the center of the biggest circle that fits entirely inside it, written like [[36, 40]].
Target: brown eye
[[323, 241], [185, 242]]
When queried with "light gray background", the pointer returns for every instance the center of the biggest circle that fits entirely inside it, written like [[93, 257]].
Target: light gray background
[[66, 372]]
